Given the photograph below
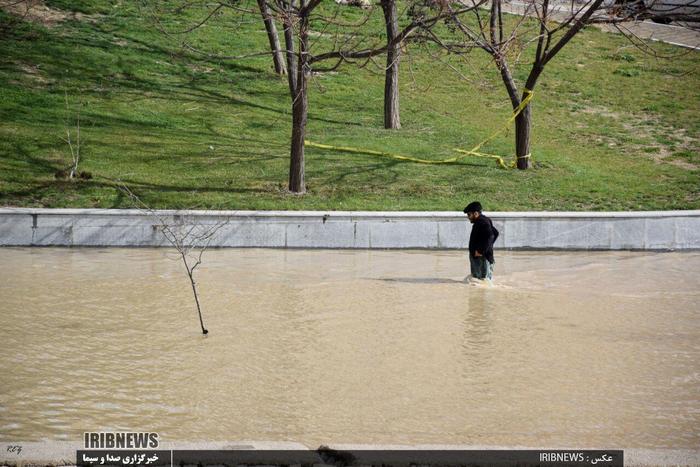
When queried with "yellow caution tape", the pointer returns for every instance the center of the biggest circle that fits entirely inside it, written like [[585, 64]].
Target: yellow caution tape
[[378, 153], [473, 152]]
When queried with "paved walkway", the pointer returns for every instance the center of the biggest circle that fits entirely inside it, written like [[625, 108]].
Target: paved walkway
[[669, 33]]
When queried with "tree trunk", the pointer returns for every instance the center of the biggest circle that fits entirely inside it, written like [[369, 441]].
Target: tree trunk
[[300, 107], [272, 36], [522, 138], [523, 122], [392, 118], [292, 69]]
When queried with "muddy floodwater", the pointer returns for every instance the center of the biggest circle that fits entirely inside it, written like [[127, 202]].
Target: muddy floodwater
[[584, 349]]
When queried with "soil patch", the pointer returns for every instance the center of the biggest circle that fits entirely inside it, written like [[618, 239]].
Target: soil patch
[[649, 128], [36, 11]]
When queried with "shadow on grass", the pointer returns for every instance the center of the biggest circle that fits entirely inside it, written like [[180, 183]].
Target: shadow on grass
[[390, 176], [22, 156], [185, 89], [164, 188], [39, 190], [57, 57], [385, 164]]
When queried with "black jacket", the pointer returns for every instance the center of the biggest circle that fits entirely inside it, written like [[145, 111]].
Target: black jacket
[[482, 238]]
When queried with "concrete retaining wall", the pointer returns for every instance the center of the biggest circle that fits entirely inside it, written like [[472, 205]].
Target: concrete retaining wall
[[663, 230]]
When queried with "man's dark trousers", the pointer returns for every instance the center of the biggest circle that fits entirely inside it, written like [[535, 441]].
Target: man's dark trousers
[[480, 267]]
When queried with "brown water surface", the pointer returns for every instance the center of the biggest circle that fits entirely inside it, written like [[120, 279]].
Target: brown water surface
[[567, 349]]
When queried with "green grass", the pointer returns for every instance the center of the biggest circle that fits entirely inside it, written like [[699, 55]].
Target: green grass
[[183, 130]]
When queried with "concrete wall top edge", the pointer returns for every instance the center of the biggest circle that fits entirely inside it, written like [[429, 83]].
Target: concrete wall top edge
[[351, 214]]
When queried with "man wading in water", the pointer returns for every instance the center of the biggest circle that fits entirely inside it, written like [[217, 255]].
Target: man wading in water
[[481, 241]]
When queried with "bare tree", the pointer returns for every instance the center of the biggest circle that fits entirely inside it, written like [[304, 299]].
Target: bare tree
[[350, 45], [557, 24], [392, 118], [302, 62], [74, 143], [278, 58], [189, 238]]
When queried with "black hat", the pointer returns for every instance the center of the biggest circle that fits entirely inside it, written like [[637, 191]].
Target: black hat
[[473, 207]]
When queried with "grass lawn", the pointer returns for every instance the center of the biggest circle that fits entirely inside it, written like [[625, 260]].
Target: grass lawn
[[613, 128]]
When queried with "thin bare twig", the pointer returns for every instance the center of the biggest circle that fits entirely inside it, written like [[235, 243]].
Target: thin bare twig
[[190, 241]]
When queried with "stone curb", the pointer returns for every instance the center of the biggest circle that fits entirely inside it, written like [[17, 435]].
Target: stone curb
[[638, 230]]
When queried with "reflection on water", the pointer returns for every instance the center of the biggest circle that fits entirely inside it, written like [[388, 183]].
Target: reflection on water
[[567, 349]]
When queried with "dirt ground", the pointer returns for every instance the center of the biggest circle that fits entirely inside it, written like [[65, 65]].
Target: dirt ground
[[36, 11]]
